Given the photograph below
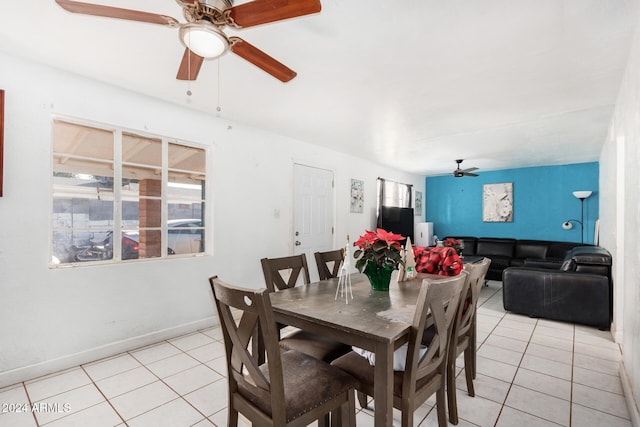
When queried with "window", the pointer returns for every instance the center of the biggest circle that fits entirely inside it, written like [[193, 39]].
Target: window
[[394, 194], [156, 209]]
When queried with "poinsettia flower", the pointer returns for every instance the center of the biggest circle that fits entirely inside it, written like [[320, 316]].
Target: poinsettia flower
[[379, 247]]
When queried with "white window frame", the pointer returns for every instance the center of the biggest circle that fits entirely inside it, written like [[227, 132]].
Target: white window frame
[[117, 193]]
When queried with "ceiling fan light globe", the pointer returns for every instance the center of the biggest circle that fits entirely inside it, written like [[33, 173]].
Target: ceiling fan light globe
[[204, 39]]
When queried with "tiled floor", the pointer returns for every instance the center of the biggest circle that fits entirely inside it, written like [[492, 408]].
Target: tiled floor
[[530, 373]]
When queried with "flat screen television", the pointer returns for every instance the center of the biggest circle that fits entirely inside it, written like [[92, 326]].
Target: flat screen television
[[397, 220]]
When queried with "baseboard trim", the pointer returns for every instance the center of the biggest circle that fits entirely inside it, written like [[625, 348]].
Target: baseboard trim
[[36, 370], [634, 413]]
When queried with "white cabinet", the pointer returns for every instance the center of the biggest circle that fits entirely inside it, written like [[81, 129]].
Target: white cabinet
[[424, 234]]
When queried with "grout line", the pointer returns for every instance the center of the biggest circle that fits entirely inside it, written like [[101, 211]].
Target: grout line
[[103, 395]]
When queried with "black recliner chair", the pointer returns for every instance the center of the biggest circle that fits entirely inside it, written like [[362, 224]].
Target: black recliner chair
[[579, 290]]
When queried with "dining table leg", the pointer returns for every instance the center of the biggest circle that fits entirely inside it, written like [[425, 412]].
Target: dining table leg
[[383, 389]]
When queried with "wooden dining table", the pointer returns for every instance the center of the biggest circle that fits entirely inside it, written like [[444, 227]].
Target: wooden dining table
[[377, 321]]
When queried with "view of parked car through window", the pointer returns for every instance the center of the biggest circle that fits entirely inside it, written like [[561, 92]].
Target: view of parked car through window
[[153, 210]]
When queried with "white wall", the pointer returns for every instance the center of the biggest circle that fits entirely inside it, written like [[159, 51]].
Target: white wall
[[620, 223], [53, 319]]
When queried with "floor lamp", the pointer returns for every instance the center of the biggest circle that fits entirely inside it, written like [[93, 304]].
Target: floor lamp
[[567, 224]]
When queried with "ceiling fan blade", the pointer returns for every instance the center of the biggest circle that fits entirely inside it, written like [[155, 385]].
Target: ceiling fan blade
[[263, 11], [190, 66], [469, 169], [261, 60], [116, 12], [469, 174]]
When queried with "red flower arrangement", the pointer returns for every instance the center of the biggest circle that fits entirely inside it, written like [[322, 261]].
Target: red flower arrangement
[[453, 243], [379, 247]]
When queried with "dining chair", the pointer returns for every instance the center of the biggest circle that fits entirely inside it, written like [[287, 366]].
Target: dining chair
[[324, 260], [463, 335], [283, 273], [291, 388], [426, 375]]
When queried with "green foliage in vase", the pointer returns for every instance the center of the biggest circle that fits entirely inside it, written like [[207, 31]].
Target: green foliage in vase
[[379, 247]]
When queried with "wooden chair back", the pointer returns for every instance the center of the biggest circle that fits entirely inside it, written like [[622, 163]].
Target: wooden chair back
[[243, 366], [290, 388], [438, 299], [283, 273], [324, 260]]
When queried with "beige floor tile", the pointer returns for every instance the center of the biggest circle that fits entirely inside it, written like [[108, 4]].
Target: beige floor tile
[[539, 404], [143, 399], [543, 383], [583, 416], [192, 379], [550, 353], [611, 367], [111, 366], [209, 399], [546, 366], [100, 415], [67, 403], [155, 352], [172, 365], [507, 343], [126, 381], [52, 385], [510, 417], [17, 419], [610, 383], [597, 351], [603, 401], [176, 413], [207, 352], [484, 386], [552, 342], [512, 333], [494, 369], [191, 341], [500, 354]]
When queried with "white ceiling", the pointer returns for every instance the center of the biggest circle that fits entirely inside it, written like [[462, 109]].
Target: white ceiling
[[412, 84]]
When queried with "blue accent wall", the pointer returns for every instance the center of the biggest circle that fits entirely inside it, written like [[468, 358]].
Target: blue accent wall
[[542, 201]]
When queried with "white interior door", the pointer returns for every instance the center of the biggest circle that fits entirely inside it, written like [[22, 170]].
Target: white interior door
[[312, 212]]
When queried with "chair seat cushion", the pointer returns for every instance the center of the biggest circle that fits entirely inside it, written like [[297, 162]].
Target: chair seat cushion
[[317, 346], [362, 371], [308, 383]]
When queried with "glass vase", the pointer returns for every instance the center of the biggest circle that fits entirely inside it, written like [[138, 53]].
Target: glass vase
[[378, 277]]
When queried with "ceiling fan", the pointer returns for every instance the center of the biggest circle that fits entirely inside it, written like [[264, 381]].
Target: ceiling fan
[[459, 173], [202, 34]]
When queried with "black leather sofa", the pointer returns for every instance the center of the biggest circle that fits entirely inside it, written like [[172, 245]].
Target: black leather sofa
[[578, 290], [505, 252]]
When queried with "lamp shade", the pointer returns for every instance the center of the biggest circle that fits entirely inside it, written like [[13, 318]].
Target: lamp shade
[[582, 194], [204, 39]]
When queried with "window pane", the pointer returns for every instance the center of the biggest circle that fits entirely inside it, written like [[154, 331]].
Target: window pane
[[187, 158], [82, 141], [141, 149]]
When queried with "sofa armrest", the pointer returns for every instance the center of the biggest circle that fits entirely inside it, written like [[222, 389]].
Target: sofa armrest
[[559, 295]]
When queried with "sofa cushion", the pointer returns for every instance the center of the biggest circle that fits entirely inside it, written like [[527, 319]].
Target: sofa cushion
[[559, 250], [489, 246], [536, 249]]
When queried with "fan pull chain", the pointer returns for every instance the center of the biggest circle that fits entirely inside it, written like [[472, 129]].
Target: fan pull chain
[[218, 108], [189, 66]]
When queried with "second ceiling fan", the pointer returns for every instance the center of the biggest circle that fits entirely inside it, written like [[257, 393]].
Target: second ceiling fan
[[202, 34], [459, 173]]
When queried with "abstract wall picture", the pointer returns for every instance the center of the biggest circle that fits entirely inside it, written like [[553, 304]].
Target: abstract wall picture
[[497, 202], [357, 196], [418, 205]]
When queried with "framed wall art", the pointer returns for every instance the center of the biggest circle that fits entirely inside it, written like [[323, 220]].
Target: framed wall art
[[1, 139], [418, 204], [497, 202], [357, 196]]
